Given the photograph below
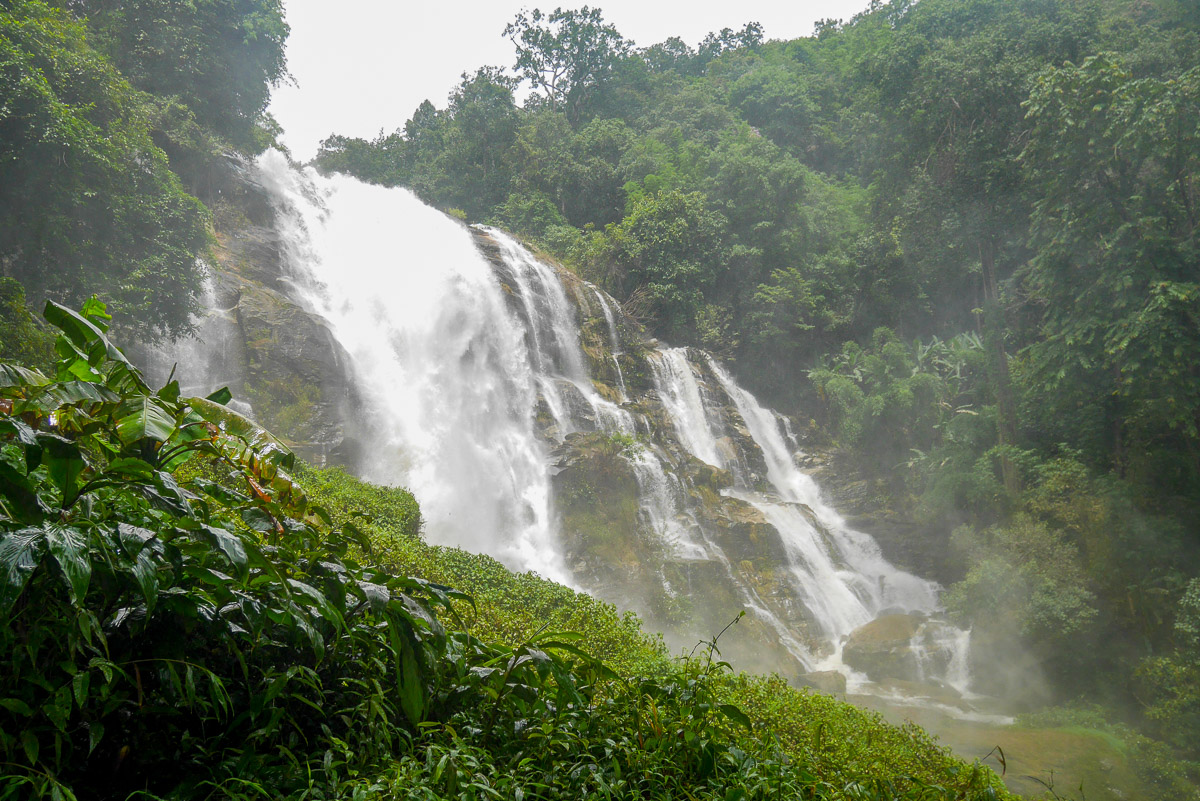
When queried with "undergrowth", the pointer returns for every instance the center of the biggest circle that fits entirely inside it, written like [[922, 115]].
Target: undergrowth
[[180, 618]]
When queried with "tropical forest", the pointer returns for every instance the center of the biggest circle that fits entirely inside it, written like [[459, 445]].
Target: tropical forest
[[718, 419]]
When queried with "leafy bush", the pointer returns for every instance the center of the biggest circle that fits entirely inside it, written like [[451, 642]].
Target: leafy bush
[[1027, 576], [24, 340], [506, 607], [891, 399], [164, 635]]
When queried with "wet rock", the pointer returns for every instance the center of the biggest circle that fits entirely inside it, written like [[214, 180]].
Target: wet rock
[[883, 648], [829, 682], [705, 474], [881, 507], [297, 374]]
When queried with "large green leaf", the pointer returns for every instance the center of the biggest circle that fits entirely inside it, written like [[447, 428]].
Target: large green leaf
[[412, 688], [81, 331], [240, 427], [141, 544], [222, 396], [69, 548], [130, 467], [410, 685], [67, 392], [19, 495], [230, 545], [26, 437], [20, 554], [318, 599], [64, 464], [14, 375], [146, 417]]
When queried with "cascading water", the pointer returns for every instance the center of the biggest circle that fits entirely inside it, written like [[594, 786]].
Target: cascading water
[[841, 570], [840, 574], [447, 381], [208, 360], [470, 371], [684, 400], [614, 342]]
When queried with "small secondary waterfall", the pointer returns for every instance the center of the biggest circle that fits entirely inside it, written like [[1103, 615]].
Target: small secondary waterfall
[[841, 570], [204, 363], [471, 371]]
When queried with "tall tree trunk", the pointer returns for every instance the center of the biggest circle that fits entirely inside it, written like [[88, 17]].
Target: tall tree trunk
[[993, 336]]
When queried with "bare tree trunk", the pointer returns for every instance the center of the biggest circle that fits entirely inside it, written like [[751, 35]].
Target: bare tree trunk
[[993, 333]]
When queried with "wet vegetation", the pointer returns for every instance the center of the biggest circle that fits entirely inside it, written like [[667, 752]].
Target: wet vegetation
[[184, 620]]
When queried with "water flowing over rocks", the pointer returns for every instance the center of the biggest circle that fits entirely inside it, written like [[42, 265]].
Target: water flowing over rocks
[[537, 422]]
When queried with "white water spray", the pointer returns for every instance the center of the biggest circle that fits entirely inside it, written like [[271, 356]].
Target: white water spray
[[444, 372]]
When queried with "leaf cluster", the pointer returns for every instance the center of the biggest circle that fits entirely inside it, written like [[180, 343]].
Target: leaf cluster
[[169, 635]]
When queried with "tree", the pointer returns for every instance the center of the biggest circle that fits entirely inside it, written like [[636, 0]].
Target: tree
[[957, 75], [89, 201], [474, 168], [1116, 278], [220, 57], [566, 54], [671, 247], [715, 44]]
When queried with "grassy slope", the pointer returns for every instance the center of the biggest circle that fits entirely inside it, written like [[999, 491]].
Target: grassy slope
[[840, 744]]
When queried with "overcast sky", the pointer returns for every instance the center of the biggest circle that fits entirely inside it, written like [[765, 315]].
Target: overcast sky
[[362, 66]]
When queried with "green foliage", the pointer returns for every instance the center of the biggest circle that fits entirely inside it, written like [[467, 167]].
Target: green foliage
[[170, 635], [1164, 777], [893, 398], [1026, 576], [1170, 684], [220, 58], [834, 739], [177, 636], [25, 341], [116, 215], [669, 247], [1115, 162], [507, 607], [382, 512]]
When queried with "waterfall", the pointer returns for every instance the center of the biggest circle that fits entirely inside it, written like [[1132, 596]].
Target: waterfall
[[448, 382], [471, 376], [842, 571], [203, 363], [614, 341], [695, 422]]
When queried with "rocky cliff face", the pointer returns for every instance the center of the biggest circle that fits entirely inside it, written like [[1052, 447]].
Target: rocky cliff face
[[280, 360], [692, 561]]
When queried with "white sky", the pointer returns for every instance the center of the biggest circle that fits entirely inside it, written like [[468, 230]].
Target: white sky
[[362, 66]]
